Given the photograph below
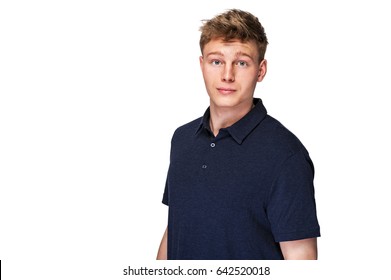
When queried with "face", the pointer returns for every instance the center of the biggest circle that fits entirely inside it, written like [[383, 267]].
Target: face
[[231, 71]]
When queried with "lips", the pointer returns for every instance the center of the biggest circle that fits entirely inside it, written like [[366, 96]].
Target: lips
[[226, 91]]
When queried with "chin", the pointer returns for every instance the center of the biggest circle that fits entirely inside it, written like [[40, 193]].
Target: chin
[[225, 101]]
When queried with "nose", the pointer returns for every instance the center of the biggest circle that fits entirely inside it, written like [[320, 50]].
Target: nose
[[228, 74]]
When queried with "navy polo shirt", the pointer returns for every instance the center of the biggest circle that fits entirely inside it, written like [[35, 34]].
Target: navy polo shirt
[[236, 195]]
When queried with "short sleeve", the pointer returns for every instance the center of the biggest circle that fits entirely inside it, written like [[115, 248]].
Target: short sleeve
[[165, 194], [291, 207]]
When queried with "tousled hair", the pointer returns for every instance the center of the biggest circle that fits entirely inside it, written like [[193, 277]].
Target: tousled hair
[[234, 24]]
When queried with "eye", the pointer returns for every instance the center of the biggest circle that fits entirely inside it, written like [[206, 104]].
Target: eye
[[242, 63], [216, 62]]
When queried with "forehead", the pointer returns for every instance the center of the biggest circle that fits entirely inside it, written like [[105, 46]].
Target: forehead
[[224, 47]]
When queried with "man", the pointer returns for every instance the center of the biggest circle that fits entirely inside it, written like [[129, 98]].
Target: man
[[239, 185]]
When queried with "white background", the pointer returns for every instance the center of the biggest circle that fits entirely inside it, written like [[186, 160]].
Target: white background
[[91, 92]]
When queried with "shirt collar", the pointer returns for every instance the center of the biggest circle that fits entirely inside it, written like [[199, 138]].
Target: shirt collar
[[242, 128]]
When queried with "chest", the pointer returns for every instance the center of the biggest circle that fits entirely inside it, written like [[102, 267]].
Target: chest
[[220, 173]]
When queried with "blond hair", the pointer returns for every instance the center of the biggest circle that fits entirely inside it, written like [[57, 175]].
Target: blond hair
[[234, 24]]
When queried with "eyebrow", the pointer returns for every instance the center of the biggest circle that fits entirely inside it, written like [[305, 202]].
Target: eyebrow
[[215, 53], [243, 54], [237, 54]]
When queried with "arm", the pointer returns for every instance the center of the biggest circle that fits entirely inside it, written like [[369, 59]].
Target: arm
[[162, 253], [304, 249]]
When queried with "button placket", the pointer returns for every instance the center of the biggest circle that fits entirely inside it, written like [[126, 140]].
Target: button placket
[[212, 145]]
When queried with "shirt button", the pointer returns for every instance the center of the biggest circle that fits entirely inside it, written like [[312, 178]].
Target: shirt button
[[204, 166], [212, 145]]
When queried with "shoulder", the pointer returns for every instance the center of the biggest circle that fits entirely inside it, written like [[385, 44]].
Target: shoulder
[[188, 129], [280, 138]]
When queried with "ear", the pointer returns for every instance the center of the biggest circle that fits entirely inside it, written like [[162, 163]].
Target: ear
[[262, 70], [201, 60]]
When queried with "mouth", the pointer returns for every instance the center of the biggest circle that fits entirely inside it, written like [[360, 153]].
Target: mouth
[[226, 91]]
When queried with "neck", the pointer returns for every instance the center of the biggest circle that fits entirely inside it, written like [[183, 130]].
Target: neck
[[222, 117]]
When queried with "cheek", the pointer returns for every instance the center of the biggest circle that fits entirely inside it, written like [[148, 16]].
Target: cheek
[[248, 84], [209, 75], [248, 78]]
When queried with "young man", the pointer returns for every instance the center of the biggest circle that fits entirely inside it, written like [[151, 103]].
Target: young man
[[239, 185]]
